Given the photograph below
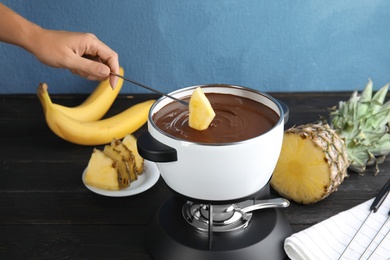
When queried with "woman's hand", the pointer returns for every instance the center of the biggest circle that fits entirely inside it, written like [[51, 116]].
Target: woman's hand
[[82, 53]]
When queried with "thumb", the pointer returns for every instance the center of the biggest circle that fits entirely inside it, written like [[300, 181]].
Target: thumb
[[100, 69], [90, 69]]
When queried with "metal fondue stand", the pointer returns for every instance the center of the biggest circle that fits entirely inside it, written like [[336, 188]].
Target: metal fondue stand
[[171, 236], [185, 228]]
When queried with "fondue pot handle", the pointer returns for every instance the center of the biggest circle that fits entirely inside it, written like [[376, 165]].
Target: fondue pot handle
[[151, 149]]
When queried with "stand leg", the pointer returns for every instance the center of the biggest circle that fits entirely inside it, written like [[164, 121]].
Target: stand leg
[[210, 226]]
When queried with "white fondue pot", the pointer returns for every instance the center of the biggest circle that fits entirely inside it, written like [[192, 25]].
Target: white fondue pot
[[214, 172]]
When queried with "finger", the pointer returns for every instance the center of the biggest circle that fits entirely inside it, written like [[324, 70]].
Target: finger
[[84, 75], [94, 49], [108, 57], [112, 78], [90, 69], [113, 64]]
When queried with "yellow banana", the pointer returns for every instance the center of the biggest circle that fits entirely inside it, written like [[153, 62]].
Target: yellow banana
[[93, 132], [97, 104]]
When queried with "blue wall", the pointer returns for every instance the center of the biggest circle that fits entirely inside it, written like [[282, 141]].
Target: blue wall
[[268, 45]]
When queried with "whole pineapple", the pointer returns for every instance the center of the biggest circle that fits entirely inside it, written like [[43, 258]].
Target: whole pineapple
[[315, 157], [312, 164]]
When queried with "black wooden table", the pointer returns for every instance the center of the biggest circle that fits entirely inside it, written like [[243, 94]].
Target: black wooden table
[[46, 211]]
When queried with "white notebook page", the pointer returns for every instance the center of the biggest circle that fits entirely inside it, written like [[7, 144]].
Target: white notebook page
[[329, 238]]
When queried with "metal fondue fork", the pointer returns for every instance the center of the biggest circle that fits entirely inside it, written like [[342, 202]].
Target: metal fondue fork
[[151, 89]]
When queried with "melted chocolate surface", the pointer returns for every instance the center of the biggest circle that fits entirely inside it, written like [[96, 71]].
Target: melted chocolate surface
[[237, 119]]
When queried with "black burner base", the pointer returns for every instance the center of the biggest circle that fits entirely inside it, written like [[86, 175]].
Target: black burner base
[[170, 237]]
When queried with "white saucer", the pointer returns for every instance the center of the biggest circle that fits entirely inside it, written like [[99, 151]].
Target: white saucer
[[144, 182]]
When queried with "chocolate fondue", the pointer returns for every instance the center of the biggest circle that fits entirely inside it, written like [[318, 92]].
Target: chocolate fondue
[[237, 119]]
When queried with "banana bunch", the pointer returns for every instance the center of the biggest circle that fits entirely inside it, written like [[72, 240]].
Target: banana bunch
[[83, 124], [97, 104]]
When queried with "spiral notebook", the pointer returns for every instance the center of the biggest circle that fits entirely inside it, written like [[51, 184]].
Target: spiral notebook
[[329, 238]]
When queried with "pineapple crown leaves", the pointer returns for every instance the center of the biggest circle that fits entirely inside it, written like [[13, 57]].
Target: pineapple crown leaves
[[362, 122]]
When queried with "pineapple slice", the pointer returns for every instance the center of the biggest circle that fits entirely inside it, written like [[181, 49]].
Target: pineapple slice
[[123, 171], [127, 156], [131, 143], [102, 172], [312, 164], [201, 112]]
